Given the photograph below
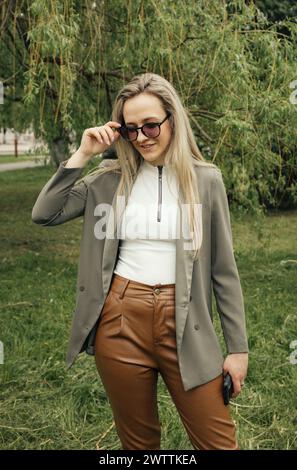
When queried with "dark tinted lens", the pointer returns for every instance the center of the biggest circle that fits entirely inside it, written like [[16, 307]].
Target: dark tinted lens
[[128, 133], [151, 130]]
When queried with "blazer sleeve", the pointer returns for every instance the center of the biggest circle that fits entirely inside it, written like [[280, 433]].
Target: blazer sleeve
[[224, 272], [60, 200]]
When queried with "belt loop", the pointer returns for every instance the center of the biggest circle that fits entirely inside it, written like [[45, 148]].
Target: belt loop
[[124, 288]]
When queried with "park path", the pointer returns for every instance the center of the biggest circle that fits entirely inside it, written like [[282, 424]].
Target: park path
[[19, 165]]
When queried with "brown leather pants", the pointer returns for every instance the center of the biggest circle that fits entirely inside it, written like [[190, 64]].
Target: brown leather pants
[[135, 340]]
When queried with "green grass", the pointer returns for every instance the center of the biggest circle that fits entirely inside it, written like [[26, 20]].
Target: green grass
[[44, 407]]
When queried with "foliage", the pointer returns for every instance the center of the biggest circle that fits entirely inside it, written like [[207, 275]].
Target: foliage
[[67, 60]]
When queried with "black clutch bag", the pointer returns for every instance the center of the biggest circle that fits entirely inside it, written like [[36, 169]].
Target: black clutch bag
[[227, 388]]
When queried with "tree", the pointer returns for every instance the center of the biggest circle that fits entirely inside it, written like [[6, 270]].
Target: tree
[[231, 67]]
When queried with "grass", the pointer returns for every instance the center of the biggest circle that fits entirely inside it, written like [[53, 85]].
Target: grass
[[44, 407]]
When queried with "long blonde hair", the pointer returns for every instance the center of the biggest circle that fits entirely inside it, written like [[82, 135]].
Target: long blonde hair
[[181, 155]]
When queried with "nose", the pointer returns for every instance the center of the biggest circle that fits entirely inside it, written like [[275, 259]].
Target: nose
[[141, 138]]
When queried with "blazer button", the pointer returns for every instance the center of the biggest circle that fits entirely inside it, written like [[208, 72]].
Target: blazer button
[[82, 288], [197, 327]]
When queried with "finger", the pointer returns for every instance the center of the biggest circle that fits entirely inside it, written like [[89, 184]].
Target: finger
[[98, 136], [116, 135], [235, 394], [105, 136], [112, 127], [110, 133], [113, 124], [93, 132], [236, 387]]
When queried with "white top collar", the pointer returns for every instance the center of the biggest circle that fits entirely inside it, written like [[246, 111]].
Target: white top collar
[[150, 168]]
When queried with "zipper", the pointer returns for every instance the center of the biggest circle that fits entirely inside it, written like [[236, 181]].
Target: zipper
[[160, 168]]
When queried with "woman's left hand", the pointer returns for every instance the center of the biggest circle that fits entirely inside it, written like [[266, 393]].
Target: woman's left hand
[[236, 364]]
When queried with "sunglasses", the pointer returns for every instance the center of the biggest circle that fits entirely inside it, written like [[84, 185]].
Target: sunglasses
[[150, 129]]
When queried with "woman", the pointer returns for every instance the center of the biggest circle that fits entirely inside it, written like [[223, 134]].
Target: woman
[[143, 292]]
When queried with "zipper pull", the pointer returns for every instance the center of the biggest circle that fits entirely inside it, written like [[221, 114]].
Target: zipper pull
[[160, 168]]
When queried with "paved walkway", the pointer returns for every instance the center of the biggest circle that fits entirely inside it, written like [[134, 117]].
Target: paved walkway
[[19, 165]]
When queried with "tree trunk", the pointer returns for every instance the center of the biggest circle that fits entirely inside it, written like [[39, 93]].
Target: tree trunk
[[59, 149], [15, 144]]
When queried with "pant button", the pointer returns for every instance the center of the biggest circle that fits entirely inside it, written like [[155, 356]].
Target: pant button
[[157, 290]]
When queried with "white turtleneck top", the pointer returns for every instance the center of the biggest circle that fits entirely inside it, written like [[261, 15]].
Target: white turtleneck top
[[147, 249]]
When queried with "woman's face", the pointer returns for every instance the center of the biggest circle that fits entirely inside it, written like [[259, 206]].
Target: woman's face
[[148, 108]]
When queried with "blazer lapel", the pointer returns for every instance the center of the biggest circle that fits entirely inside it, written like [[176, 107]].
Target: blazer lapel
[[183, 282], [110, 249]]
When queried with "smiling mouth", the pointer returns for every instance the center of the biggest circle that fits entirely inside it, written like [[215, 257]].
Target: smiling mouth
[[147, 146]]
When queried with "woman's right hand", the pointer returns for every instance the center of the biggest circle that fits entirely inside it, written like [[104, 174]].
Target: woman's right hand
[[97, 139]]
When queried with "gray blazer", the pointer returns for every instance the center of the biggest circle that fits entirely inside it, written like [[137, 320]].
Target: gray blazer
[[199, 354]]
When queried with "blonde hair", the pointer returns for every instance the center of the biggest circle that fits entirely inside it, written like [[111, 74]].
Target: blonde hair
[[181, 155]]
